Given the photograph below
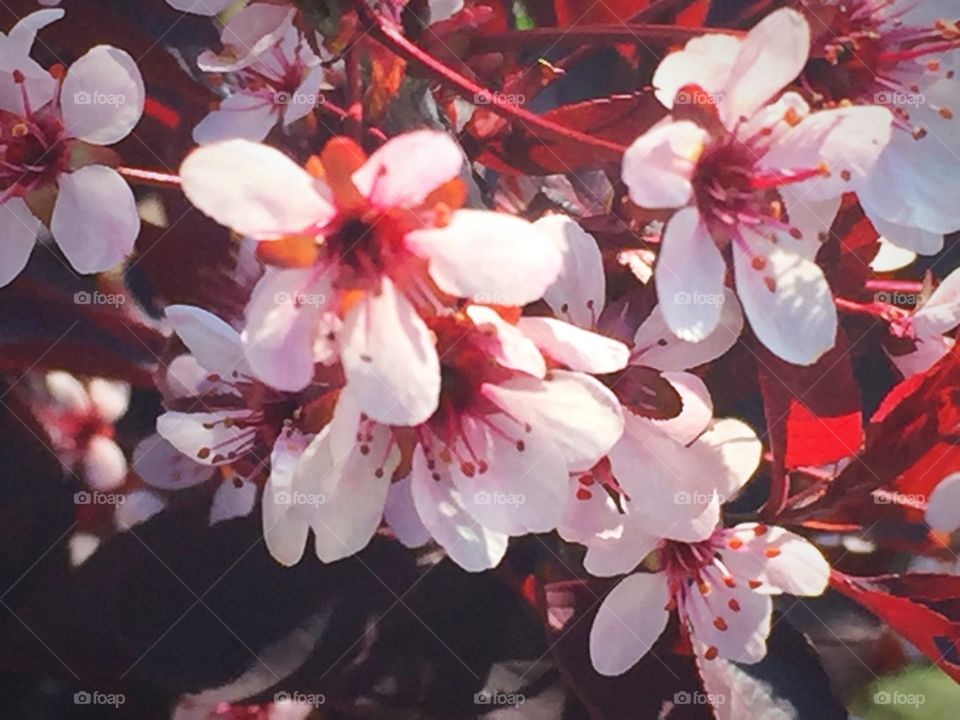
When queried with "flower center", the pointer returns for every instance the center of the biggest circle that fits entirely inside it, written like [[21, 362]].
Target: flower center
[[32, 152]]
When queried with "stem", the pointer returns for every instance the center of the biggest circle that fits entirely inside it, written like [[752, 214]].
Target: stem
[[376, 133], [599, 34], [353, 122], [150, 177], [779, 490], [391, 38]]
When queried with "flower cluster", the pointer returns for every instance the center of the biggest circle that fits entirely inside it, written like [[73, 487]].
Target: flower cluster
[[425, 343]]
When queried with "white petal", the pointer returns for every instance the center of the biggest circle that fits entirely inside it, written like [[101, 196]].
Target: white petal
[[657, 347], [137, 507], [201, 7], [95, 220], [943, 505], [231, 501], [102, 96], [67, 392], [659, 165], [910, 241], [284, 529], [616, 556], [696, 411], [771, 56], [18, 228], [283, 317], [214, 344], [205, 437], [521, 491], [400, 514], [746, 630], [253, 189], [704, 62], [778, 558], [390, 359], [409, 167], [104, 464], [629, 622], [796, 318], [578, 349], [111, 398], [507, 344], [941, 312], [22, 36], [738, 451], [240, 116], [690, 275], [441, 10], [160, 465], [579, 292], [469, 544], [489, 257], [892, 256], [574, 411], [848, 140]]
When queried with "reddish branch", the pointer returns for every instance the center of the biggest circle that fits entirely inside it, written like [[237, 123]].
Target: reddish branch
[[392, 38], [596, 35]]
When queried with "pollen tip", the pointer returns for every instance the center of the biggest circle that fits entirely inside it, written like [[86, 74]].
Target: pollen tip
[[733, 604], [772, 552], [735, 544], [720, 624], [711, 653], [18, 77], [754, 584]]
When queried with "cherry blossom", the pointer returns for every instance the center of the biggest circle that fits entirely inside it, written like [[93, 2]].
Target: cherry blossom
[[924, 331], [720, 588], [490, 463], [380, 245], [902, 55], [943, 505], [80, 418], [51, 134], [272, 75], [202, 7], [761, 179]]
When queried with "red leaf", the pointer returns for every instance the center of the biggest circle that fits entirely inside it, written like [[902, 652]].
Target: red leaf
[[813, 413], [923, 608], [581, 12]]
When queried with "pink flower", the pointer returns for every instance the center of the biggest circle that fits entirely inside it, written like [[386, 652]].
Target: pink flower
[[903, 55], [272, 74], [49, 130], [490, 463], [761, 179], [926, 329], [377, 244], [201, 7], [80, 418], [720, 588]]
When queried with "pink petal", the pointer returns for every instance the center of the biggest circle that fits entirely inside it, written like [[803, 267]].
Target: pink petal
[[405, 170], [579, 292], [696, 412], [744, 637], [390, 359], [214, 344], [230, 501], [284, 529], [577, 349], [690, 278], [778, 558], [253, 189], [160, 465], [704, 62], [943, 505], [658, 166], [204, 436], [110, 398], [137, 507], [628, 623], [941, 312], [506, 343], [95, 219], [489, 257], [104, 464], [400, 513], [67, 392], [608, 557], [240, 116], [18, 228], [200, 7], [737, 450], [102, 96]]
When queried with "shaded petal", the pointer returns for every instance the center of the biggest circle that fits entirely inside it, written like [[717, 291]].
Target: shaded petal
[[253, 189], [406, 169], [232, 501], [240, 116], [390, 359], [507, 344], [206, 437], [575, 412], [137, 507], [284, 531], [400, 513], [913, 240], [657, 347], [704, 62], [438, 503], [95, 219], [214, 344], [943, 505], [102, 96], [578, 349], [579, 292], [689, 278], [696, 411], [489, 257], [659, 165], [200, 7], [18, 228], [788, 302], [941, 312], [110, 398], [738, 451], [629, 622], [616, 556], [744, 634], [160, 465], [778, 558], [104, 464]]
